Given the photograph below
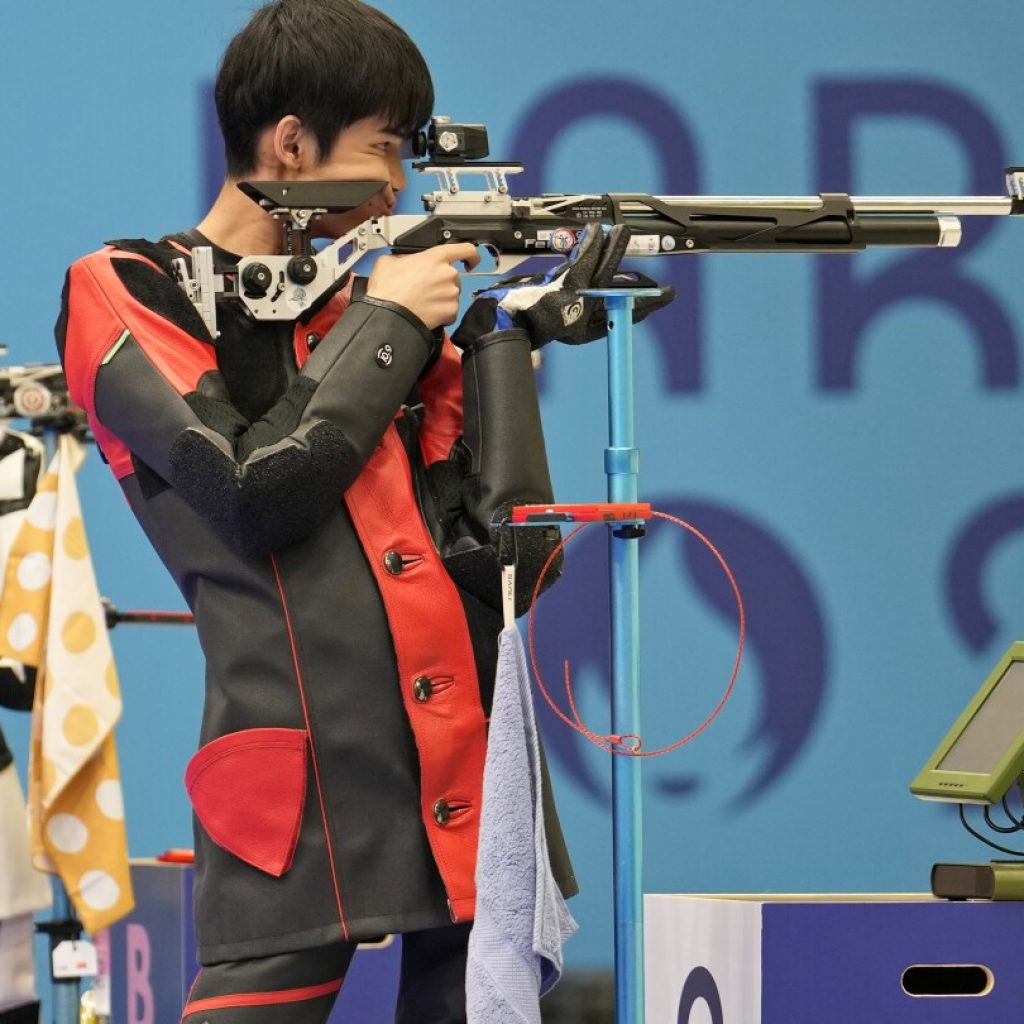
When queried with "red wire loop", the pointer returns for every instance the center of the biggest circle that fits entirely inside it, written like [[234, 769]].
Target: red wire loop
[[629, 744]]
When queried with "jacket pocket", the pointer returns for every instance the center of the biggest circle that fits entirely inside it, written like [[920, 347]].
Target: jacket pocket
[[247, 790]]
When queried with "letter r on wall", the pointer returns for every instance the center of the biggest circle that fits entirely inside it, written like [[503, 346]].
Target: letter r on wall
[[847, 301]]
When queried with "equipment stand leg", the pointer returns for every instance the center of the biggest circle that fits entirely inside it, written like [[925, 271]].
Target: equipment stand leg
[[65, 992], [622, 466]]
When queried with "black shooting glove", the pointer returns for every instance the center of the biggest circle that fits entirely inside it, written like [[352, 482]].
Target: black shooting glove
[[549, 307]]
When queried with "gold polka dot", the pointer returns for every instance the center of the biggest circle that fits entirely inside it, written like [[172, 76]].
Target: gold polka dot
[[74, 539], [113, 686], [80, 725], [78, 633]]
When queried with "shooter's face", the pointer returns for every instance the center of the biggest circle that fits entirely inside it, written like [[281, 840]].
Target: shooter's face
[[365, 151]]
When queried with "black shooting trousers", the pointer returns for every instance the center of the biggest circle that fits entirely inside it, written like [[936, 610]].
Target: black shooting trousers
[[301, 987]]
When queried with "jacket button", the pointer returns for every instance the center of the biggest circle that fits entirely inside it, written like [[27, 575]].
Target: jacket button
[[312, 340], [393, 563], [442, 812], [422, 689]]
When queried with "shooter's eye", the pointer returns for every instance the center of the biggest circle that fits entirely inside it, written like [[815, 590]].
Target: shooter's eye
[[414, 146]]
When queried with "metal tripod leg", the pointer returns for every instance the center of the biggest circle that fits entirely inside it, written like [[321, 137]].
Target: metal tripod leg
[[622, 467]]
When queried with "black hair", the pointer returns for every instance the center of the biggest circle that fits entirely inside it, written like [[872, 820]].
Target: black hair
[[330, 62]]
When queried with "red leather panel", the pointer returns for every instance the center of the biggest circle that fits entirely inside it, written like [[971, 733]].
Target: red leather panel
[[441, 391], [248, 789], [178, 355], [449, 729], [91, 330], [101, 310]]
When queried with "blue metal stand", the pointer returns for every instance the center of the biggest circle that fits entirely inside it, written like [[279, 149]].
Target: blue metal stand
[[622, 467], [65, 992]]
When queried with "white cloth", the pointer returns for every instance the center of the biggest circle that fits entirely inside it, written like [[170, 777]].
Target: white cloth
[[17, 977], [22, 891], [22, 888]]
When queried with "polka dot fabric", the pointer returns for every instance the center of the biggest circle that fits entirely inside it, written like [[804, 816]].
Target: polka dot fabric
[[51, 617]]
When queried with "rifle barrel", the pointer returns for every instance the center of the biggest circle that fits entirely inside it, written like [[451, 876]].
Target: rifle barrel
[[955, 206]]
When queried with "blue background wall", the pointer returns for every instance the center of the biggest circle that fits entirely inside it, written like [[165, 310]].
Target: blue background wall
[[857, 460]]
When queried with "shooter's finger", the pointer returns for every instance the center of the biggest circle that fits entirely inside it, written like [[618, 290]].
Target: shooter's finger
[[459, 252]]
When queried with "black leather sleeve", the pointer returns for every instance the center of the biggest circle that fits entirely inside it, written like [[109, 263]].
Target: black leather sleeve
[[16, 693], [503, 462], [17, 687], [268, 484]]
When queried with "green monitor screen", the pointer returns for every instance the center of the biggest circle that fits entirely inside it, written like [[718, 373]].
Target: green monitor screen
[[982, 756]]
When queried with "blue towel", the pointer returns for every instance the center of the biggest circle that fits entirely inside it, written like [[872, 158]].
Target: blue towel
[[515, 948]]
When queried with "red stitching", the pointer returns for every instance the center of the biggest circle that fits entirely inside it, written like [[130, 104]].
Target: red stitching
[[312, 746], [248, 745]]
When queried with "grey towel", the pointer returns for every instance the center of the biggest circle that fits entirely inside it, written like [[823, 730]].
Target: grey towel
[[515, 948]]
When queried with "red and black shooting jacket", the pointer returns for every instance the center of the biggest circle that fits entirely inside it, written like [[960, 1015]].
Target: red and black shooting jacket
[[322, 493]]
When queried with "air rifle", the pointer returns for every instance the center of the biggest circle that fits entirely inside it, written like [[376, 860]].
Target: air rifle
[[281, 287], [38, 393]]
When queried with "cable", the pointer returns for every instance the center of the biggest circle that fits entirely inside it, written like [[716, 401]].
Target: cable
[[1017, 826], [630, 745], [987, 842], [1019, 822]]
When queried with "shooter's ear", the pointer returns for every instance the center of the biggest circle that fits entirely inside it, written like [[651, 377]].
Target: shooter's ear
[[290, 145]]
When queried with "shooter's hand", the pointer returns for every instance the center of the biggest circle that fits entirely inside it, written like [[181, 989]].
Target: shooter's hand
[[549, 307], [425, 283]]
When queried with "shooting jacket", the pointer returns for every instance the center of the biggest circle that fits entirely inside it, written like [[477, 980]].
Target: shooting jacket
[[321, 491]]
